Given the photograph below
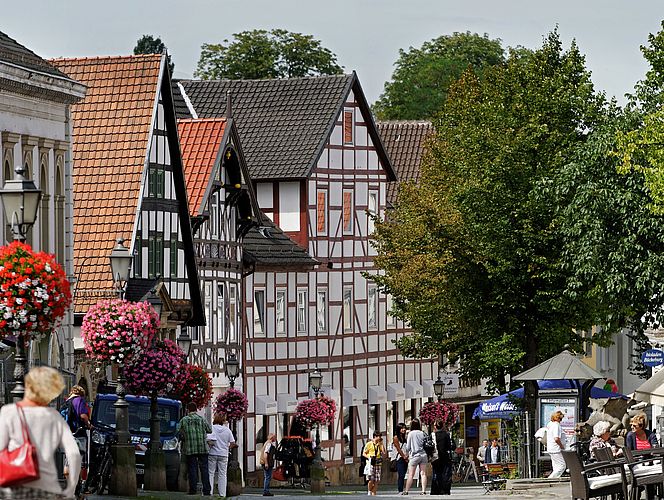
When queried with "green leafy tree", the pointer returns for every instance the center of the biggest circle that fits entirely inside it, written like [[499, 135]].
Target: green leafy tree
[[261, 54], [422, 76], [472, 254], [148, 44], [642, 148]]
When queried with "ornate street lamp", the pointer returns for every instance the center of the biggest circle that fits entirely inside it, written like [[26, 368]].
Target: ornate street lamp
[[20, 200], [120, 262], [184, 342], [124, 457], [232, 368], [234, 487], [439, 388], [317, 469]]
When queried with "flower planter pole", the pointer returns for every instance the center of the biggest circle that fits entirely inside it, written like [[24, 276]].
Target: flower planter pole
[[116, 331]]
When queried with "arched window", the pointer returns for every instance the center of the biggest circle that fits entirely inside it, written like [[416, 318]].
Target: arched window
[[7, 175], [27, 166], [59, 213], [44, 222]]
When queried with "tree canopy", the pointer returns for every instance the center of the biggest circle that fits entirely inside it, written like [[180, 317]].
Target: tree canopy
[[418, 87], [472, 254], [148, 44], [261, 54]]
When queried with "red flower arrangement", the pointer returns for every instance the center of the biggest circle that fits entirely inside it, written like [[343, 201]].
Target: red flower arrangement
[[117, 331], [34, 292], [317, 411], [157, 371], [439, 410], [232, 403], [196, 386]]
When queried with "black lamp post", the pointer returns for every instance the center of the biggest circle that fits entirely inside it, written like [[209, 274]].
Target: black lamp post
[[439, 388], [155, 460], [184, 342], [317, 469], [123, 479], [20, 200], [234, 484]]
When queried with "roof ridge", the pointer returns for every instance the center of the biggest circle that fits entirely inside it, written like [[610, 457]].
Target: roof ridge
[[404, 122], [198, 120], [267, 80], [99, 58]]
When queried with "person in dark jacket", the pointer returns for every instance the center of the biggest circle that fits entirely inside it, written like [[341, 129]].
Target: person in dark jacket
[[492, 455], [441, 483]]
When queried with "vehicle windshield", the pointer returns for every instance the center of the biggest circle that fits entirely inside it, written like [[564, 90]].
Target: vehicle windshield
[[139, 416]]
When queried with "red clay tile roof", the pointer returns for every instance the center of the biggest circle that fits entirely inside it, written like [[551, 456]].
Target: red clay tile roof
[[199, 143], [405, 143], [111, 130]]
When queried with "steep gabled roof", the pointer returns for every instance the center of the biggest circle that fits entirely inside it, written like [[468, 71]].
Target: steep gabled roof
[[111, 130], [199, 141], [405, 143], [14, 53], [284, 123]]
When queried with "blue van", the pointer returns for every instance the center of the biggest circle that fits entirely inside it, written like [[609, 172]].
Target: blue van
[[168, 411]]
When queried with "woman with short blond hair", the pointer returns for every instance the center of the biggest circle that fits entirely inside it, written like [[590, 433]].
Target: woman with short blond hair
[[555, 443], [48, 431]]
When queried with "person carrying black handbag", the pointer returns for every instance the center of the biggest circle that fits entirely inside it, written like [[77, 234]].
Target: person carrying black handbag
[[441, 483]]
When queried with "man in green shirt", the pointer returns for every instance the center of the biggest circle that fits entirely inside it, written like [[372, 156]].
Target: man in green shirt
[[193, 430]]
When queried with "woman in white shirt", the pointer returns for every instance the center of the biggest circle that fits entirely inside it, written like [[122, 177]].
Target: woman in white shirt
[[417, 457], [221, 441], [555, 443], [48, 431]]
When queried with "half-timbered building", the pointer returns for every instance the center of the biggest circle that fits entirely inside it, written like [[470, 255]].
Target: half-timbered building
[[129, 183], [320, 173], [35, 133]]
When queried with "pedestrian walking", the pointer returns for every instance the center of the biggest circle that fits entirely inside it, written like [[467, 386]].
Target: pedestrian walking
[[481, 451], [76, 410], [441, 481], [221, 441], [47, 432], [398, 442], [492, 453], [193, 431], [417, 457], [555, 443], [267, 462], [374, 452]]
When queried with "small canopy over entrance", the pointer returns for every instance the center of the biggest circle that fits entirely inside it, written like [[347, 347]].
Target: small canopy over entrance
[[563, 366]]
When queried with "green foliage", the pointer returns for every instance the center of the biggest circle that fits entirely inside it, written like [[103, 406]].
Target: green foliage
[[419, 85], [473, 255], [148, 44], [261, 54]]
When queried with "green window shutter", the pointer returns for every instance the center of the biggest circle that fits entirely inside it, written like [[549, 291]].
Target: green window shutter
[[174, 256], [138, 257], [159, 255]]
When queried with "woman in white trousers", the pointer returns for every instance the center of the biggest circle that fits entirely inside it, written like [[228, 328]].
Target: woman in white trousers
[[555, 443], [221, 441]]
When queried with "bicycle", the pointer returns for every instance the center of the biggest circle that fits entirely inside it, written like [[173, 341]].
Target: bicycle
[[99, 479]]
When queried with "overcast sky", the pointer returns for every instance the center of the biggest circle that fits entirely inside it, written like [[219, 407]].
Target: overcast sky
[[366, 35]]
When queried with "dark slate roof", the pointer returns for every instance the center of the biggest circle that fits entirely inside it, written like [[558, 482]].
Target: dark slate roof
[[284, 123], [13, 52], [137, 288], [404, 142], [267, 246]]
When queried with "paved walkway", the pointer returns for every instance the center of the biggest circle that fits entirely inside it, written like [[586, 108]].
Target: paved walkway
[[473, 492]]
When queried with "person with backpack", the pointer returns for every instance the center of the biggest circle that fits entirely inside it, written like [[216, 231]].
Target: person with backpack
[[76, 410], [417, 456], [267, 462]]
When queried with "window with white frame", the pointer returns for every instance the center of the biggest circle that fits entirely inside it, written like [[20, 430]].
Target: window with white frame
[[259, 312], [207, 294], [391, 320], [232, 313], [214, 215], [348, 309], [302, 306], [221, 312], [372, 210], [280, 311], [372, 306], [321, 310]]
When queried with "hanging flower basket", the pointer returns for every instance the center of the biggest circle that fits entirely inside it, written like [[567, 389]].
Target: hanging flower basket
[[157, 371], [232, 403], [196, 386], [439, 410], [317, 411], [34, 292], [117, 331]]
